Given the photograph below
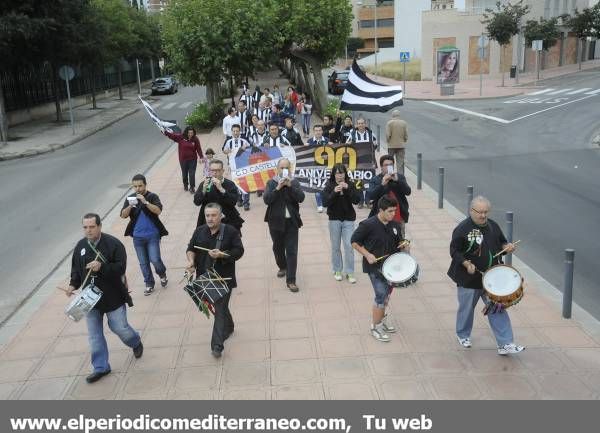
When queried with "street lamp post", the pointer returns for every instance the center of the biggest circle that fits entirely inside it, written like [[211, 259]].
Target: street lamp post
[[376, 44]]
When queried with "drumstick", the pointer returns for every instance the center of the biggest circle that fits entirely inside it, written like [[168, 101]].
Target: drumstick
[[403, 243], [207, 249], [504, 249]]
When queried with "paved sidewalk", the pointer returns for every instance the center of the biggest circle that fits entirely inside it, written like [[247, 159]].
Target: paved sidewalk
[[492, 87], [311, 345], [45, 135]]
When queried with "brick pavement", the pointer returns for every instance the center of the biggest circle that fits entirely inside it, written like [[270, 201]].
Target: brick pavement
[[311, 345]]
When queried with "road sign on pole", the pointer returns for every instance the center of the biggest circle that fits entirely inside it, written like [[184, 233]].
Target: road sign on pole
[[404, 59], [67, 73], [404, 56], [537, 45]]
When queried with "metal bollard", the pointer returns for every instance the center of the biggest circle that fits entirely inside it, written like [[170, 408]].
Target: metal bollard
[[441, 188], [419, 170], [509, 235], [568, 287], [469, 198]]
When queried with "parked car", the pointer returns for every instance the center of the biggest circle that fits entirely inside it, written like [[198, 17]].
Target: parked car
[[337, 82], [164, 85]]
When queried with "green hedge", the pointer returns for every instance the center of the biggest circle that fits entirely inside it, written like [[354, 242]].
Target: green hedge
[[333, 105], [204, 116]]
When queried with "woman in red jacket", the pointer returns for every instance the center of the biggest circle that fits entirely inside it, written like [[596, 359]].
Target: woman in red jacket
[[189, 147]]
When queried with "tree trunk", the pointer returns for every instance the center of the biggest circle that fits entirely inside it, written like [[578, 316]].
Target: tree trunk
[[3, 118], [305, 76], [319, 96], [94, 106], [502, 63], [212, 93], [152, 69], [55, 90], [580, 52], [120, 79], [231, 91]]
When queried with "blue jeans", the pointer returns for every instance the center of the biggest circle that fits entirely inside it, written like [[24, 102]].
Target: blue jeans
[[117, 322], [341, 231], [306, 123], [148, 251], [499, 322], [381, 288], [246, 199], [318, 199]]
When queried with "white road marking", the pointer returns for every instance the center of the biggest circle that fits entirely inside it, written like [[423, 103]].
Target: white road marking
[[185, 104], [504, 121], [473, 113], [556, 92], [549, 108], [169, 105], [539, 92], [156, 105], [575, 92]]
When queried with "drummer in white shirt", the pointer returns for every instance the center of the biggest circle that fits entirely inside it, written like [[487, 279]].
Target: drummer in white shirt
[[228, 121]]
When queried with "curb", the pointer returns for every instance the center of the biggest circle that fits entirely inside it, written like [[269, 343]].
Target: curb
[[53, 147]]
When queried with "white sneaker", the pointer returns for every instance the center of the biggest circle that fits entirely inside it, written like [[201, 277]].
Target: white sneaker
[[351, 278], [320, 209], [510, 348], [337, 276], [464, 342], [379, 334], [387, 325]]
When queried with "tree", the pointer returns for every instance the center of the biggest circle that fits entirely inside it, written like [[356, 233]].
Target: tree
[[583, 24], [314, 40], [503, 23], [354, 44], [21, 28], [545, 30], [208, 41]]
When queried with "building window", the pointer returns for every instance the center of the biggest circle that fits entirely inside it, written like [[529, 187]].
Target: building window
[[556, 8], [366, 24], [385, 22], [385, 43], [573, 6], [547, 9]]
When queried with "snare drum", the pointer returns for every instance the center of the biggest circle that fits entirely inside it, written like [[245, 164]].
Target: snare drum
[[83, 302], [503, 285], [400, 270]]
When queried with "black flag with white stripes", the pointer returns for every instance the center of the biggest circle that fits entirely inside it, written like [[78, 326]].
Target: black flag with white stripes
[[364, 94]]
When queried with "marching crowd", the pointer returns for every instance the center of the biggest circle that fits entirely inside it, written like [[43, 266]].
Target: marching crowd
[[268, 119]]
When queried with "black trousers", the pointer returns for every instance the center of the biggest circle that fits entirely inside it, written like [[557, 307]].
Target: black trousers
[[223, 325], [285, 248], [188, 171]]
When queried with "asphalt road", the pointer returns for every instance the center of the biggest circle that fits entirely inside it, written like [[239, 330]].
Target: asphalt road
[[543, 167], [43, 198]]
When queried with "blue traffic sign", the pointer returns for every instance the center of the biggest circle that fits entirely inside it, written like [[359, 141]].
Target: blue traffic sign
[[404, 56]]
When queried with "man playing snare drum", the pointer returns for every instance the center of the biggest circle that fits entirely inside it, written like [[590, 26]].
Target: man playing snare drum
[[474, 243], [375, 239], [103, 258]]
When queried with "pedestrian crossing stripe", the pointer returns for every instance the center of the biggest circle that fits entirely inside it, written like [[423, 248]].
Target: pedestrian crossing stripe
[[169, 105], [569, 91]]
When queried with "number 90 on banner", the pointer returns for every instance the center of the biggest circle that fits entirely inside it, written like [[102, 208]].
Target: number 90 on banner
[[336, 156]]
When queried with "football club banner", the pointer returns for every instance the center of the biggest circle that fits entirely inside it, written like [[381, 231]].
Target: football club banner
[[252, 168], [314, 164]]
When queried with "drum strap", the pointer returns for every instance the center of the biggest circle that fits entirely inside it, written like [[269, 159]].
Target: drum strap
[[97, 252], [210, 262]]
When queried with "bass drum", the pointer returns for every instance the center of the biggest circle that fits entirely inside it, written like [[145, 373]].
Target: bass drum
[[503, 285]]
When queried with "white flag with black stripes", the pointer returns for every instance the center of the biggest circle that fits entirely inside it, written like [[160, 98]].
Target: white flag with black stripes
[[364, 94]]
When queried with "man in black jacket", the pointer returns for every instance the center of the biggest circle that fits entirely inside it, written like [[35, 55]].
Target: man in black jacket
[[290, 133], [217, 189], [283, 196], [143, 208], [223, 260], [104, 258], [392, 185], [474, 243]]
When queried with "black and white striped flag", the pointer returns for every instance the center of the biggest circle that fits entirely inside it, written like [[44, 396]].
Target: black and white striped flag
[[169, 125], [364, 94]]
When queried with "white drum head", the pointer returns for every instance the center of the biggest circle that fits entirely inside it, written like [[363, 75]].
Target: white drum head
[[399, 267], [501, 280]]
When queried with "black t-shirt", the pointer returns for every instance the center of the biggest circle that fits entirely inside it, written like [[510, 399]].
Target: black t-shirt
[[478, 244], [378, 238]]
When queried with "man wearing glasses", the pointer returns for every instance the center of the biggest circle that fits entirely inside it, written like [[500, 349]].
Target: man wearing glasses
[[474, 243], [217, 189]]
